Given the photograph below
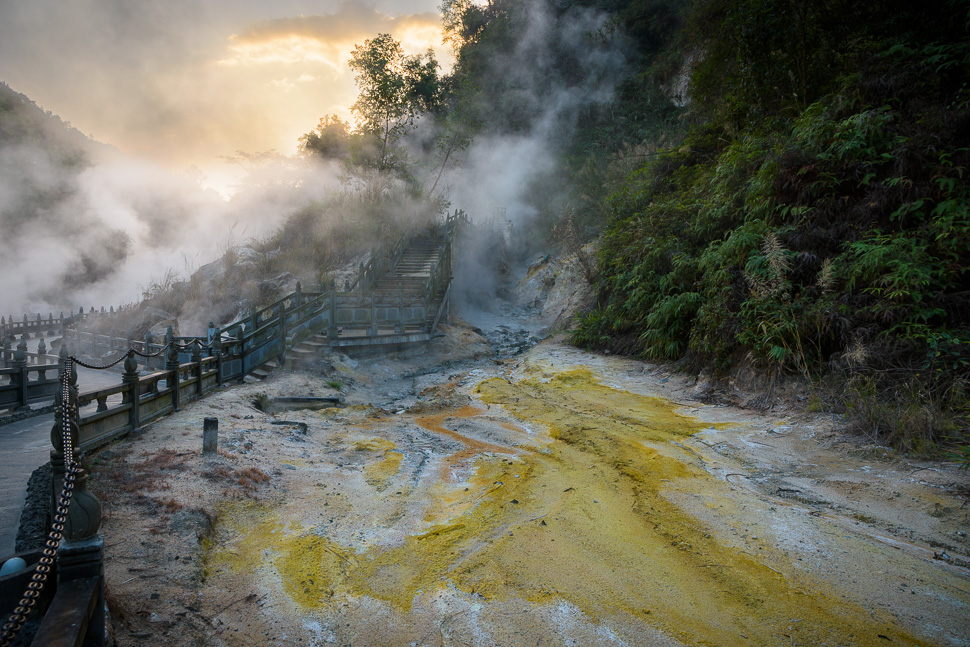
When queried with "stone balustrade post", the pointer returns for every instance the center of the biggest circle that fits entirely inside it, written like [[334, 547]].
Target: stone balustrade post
[[197, 360], [217, 351], [172, 365], [372, 328], [81, 551], [281, 350], [20, 363], [132, 394], [84, 513], [332, 328], [149, 340]]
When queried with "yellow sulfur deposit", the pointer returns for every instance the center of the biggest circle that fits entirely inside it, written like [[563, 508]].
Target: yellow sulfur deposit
[[580, 516]]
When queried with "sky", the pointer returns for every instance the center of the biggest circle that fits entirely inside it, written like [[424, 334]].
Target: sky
[[185, 83]]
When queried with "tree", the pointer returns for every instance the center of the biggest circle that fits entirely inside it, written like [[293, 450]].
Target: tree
[[394, 89], [330, 139]]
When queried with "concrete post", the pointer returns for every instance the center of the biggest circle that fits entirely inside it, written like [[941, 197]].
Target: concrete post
[[210, 436]]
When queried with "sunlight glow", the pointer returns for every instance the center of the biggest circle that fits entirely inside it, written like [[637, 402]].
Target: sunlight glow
[[290, 50]]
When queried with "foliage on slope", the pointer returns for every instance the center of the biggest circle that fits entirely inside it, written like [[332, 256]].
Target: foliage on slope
[[816, 217]]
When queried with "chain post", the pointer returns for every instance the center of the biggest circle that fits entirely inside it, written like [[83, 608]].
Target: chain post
[[172, 366], [132, 394], [197, 360], [20, 363]]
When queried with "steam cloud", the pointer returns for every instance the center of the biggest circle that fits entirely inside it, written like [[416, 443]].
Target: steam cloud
[[98, 236], [516, 172]]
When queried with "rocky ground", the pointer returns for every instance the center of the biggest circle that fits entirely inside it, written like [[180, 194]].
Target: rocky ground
[[553, 497]]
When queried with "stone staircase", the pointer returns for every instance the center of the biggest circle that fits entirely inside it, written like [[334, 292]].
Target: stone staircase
[[413, 269], [409, 276]]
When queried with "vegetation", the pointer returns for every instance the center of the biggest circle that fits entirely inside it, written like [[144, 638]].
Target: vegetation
[[814, 218]]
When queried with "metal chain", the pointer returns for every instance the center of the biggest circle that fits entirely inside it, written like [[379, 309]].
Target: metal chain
[[132, 351], [98, 368], [28, 602]]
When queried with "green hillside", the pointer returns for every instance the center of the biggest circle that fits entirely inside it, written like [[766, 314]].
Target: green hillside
[[806, 212]]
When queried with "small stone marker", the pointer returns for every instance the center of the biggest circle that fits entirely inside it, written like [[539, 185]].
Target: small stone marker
[[210, 436]]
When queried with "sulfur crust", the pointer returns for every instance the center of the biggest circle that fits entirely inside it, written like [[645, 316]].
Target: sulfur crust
[[583, 519]]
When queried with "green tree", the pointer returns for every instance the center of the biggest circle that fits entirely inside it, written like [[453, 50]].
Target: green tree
[[394, 89], [330, 139]]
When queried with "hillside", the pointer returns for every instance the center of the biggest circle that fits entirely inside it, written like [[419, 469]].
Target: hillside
[[780, 188], [23, 123]]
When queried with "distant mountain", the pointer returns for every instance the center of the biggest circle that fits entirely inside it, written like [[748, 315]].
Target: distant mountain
[[24, 123], [55, 238]]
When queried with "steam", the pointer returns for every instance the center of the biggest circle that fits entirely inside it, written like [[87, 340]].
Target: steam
[[516, 175], [100, 234]]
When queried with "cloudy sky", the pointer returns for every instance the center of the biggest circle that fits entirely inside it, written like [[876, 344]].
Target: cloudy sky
[[183, 82]]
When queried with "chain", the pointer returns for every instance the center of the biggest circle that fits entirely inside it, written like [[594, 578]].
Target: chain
[[30, 597], [132, 351], [98, 368]]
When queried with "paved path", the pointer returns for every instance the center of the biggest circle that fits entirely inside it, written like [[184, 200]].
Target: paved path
[[25, 446]]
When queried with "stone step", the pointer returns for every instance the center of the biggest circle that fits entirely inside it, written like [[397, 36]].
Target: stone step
[[263, 371]]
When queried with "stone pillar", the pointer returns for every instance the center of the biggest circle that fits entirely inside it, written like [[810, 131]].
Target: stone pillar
[[172, 365], [20, 362], [217, 351], [84, 514], [80, 560], [281, 351], [7, 353], [133, 393], [210, 436], [197, 360], [372, 328], [298, 295], [332, 328], [80, 554]]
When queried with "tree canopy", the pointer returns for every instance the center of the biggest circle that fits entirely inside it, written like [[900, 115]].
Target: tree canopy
[[394, 88]]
